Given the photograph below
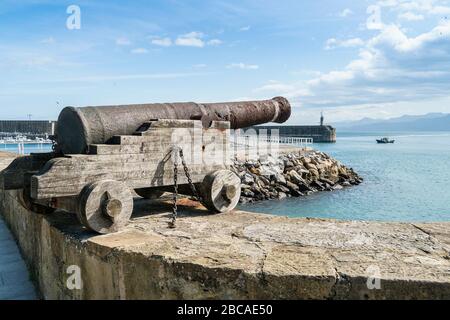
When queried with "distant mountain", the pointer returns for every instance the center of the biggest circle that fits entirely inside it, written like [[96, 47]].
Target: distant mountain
[[428, 122]]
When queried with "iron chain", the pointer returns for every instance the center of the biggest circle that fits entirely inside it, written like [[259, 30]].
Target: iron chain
[[178, 152], [188, 176], [172, 223]]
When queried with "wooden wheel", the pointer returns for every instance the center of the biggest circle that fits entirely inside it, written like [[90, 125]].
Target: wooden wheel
[[105, 206], [221, 191], [149, 193]]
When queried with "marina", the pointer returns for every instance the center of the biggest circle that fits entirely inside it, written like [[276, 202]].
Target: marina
[[22, 144], [23, 139]]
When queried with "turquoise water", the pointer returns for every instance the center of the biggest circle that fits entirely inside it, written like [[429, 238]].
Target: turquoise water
[[406, 181], [29, 148]]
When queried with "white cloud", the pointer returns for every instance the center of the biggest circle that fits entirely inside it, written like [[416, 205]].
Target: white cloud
[[345, 13], [139, 51], [392, 68], [163, 42], [246, 28], [243, 66], [215, 42], [123, 41], [192, 39], [335, 43], [410, 16], [424, 7]]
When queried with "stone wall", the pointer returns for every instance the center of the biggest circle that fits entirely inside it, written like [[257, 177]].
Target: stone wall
[[237, 255]]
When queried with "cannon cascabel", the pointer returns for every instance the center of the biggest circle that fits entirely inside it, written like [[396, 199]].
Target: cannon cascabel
[[78, 128]]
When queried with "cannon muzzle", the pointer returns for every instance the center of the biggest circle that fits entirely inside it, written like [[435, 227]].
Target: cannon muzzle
[[78, 128]]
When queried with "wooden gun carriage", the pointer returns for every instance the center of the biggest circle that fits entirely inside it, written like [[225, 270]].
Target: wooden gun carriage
[[98, 182]]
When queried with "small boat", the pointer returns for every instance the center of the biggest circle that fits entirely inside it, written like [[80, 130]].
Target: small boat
[[385, 140]]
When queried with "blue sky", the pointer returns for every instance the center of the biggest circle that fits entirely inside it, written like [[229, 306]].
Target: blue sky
[[350, 59]]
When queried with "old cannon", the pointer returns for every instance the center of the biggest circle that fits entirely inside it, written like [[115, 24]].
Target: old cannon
[[103, 154]]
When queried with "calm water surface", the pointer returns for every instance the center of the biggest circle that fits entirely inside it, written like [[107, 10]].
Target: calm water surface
[[29, 148], [405, 181]]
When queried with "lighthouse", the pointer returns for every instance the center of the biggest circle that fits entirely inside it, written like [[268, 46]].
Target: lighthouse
[[321, 119]]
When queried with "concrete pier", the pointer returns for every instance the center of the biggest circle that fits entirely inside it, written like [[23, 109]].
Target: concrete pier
[[14, 277], [15, 283], [319, 134]]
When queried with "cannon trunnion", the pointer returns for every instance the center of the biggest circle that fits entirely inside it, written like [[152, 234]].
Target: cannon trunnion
[[99, 186]]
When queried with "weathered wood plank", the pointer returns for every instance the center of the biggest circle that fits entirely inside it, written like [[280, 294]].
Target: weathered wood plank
[[12, 178], [70, 185], [61, 178], [140, 161], [220, 125]]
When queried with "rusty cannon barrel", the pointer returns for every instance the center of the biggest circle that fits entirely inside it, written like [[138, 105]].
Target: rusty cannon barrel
[[78, 128]]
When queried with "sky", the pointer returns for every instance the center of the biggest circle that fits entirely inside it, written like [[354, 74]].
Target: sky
[[349, 59]]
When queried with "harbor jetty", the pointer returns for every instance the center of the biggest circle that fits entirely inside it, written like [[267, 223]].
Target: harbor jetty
[[319, 134], [294, 173]]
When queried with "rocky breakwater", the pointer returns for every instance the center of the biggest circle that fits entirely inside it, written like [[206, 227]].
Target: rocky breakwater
[[293, 174]]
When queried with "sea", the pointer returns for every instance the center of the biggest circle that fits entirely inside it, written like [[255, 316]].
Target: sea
[[406, 181], [28, 147]]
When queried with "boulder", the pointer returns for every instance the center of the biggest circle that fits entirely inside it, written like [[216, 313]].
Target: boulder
[[248, 193], [279, 178], [296, 193], [282, 195], [282, 189], [318, 185], [296, 178], [248, 179], [292, 186], [327, 181], [338, 187], [314, 174], [263, 180]]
